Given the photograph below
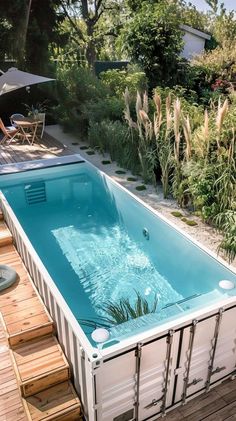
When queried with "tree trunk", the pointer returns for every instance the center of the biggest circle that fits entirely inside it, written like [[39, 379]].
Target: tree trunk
[[23, 35], [91, 49], [90, 23]]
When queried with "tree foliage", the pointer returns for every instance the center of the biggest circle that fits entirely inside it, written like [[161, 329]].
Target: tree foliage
[[28, 29], [92, 14], [153, 38]]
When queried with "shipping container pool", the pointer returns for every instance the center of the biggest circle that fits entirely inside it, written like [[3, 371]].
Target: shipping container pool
[[101, 245]]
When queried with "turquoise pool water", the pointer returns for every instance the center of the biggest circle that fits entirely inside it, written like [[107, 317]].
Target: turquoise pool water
[[89, 234]]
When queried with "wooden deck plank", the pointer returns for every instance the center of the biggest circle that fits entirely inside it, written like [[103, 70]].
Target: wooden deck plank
[[12, 308], [25, 312], [11, 407], [227, 411], [217, 405], [58, 399], [23, 298], [48, 147], [28, 323]]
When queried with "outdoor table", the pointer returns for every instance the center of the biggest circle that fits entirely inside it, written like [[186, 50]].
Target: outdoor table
[[28, 128]]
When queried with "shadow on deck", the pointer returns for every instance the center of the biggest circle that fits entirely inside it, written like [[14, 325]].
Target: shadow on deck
[[48, 147]]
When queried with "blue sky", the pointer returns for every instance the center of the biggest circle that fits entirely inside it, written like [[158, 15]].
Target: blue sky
[[201, 4]]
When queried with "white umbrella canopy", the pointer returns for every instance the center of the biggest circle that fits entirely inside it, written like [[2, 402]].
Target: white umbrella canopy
[[15, 79]]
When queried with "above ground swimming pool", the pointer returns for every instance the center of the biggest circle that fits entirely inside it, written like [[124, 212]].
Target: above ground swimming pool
[[101, 245], [86, 242]]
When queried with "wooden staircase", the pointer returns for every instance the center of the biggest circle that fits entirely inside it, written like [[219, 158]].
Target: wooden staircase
[[5, 235], [42, 371]]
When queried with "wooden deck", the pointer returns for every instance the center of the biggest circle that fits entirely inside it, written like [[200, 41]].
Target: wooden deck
[[217, 405], [11, 407], [18, 152], [34, 373]]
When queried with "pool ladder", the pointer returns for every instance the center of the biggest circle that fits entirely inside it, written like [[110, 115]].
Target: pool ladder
[[35, 193]]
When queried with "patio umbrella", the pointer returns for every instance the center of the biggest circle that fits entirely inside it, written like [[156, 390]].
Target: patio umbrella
[[15, 79]]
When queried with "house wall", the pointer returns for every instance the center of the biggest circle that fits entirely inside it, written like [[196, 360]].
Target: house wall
[[193, 44]]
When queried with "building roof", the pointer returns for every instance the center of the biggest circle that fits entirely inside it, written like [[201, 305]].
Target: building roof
[[196, 32]]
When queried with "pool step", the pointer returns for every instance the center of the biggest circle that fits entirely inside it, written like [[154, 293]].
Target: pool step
[[5, 235], [59, 403], [39, 364]]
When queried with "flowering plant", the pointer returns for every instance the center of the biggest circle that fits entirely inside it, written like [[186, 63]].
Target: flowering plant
[[220, 85]]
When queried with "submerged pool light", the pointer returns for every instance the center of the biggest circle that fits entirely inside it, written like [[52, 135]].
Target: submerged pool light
[[100, 335], [146, 233], [226, 284]]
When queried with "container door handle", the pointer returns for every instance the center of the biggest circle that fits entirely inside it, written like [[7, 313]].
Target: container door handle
[[153, 403], [218, 370], [194, 382]]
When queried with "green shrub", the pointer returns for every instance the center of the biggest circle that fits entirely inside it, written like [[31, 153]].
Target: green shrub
[[118, 80], [227, 222], [115, 138], [107, 108], [78, 86]]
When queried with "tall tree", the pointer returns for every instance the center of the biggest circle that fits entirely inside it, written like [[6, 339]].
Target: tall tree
[[152, 37], [43, 30], [90, 13], [13, 23], [29, 27]]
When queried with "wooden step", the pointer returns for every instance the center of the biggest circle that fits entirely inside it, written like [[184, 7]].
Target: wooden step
[[24, 315], [39, 364], [5, 235], [56, 403], [33, 322]]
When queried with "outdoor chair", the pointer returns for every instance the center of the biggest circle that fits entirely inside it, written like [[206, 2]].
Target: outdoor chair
[[41, 117], [9, 132], [16, 116]]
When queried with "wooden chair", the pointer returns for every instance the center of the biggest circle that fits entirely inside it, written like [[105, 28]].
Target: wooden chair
[[9, 132]]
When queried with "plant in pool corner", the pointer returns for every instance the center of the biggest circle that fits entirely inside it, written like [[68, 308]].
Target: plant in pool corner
[[123, 310]]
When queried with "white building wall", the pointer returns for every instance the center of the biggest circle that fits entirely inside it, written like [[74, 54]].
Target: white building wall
[[193, 45]]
